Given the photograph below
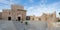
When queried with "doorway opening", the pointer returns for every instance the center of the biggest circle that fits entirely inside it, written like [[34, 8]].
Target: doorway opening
[[58, 20], [19, 18], [9, 18]]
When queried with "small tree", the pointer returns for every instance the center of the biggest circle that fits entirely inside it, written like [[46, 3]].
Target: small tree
[[59, 19], [59, 13], [26, 23]]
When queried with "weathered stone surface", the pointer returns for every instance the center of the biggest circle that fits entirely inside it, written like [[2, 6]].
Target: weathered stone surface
[[37, 25], [7, 25], [32, 25]]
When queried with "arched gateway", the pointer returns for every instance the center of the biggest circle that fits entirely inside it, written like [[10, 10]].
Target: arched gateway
[[19, 18], [9, 18]]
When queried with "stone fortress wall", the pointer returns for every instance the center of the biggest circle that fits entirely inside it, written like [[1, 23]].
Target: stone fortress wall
[[49, 18], [18, 13]]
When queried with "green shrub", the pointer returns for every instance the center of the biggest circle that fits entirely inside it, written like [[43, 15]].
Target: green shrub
[[26, 23]]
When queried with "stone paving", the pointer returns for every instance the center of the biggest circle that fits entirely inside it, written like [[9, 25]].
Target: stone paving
[[32, 25], [7, 25]]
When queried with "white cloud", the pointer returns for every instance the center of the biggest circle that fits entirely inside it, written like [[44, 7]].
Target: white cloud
[[0, 10], [31, 1], [38, 10], [4, 1], [43, 1], [7, 2]]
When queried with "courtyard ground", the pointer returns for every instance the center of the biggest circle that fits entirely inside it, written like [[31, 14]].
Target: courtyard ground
[[32, 25]]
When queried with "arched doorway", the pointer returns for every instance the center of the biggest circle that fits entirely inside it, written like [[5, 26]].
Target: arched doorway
[[19, 18], [9, 18]]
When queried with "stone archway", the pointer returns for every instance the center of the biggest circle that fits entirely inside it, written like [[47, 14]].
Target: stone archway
[[9, 18], [19, 18]]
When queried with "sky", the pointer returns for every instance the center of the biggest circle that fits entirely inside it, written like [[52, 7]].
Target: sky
[[33, 7]]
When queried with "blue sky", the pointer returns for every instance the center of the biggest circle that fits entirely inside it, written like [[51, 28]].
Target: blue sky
[[33, 7]]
